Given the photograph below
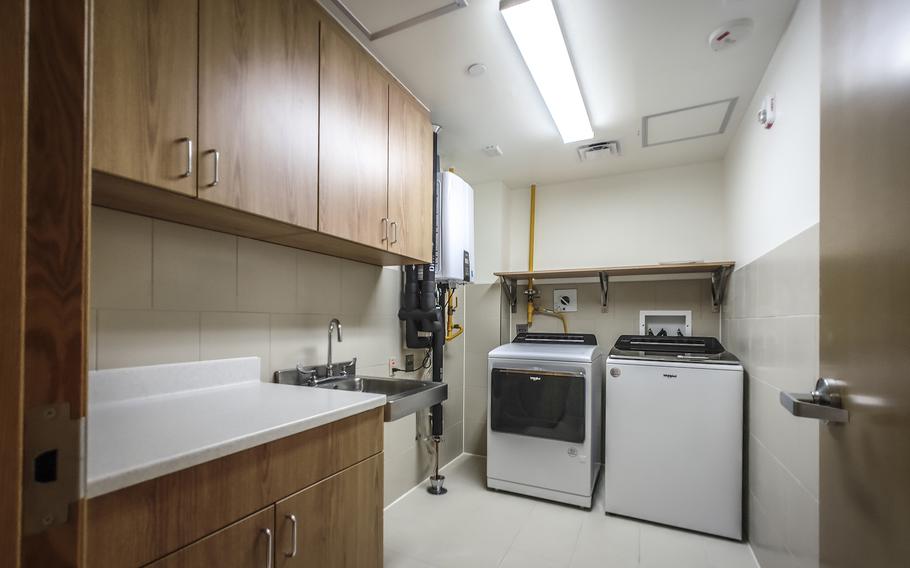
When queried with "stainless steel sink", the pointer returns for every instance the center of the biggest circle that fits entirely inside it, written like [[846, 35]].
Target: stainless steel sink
[[403, 396]]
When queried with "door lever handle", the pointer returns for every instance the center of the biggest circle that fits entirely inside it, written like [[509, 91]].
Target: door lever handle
[[823, 403]]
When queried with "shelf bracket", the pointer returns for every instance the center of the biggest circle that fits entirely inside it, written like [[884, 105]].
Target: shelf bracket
[[604, 288], [719, 280], [509, 288]]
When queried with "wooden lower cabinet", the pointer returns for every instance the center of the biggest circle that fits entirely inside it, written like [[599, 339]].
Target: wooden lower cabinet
[[337, 522], [245, 544]]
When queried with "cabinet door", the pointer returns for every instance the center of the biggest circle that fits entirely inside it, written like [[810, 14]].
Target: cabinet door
[[337, 522], [353, 141], [259, 107], [144, 91], [247, 543], [410, 176]]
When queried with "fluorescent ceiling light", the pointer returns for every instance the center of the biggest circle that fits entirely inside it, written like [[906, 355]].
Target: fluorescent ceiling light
[[536, 30]]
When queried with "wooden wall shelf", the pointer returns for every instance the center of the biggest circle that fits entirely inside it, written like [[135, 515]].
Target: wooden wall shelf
[[720, 274]]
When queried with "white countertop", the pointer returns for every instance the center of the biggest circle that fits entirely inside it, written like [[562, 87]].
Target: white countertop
[[146, 422]]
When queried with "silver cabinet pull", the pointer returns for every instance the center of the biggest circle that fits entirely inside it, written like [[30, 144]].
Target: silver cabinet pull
[[293, 551], [385, 228], [268, 551], [823, 403], [189, 157], [394, 232], [217, 177]]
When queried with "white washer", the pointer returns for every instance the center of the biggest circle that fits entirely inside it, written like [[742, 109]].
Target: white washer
[[673, 444], [544, 409]]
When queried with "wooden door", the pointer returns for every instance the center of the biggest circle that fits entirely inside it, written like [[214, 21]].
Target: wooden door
[[144, 99], [353, 141], [247, 543], [410, 176], [864, 493], [259, 107], [338, 521]]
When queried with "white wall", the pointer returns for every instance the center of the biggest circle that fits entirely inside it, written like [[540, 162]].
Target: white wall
[[772, 176], [665, 215], [491, 231]]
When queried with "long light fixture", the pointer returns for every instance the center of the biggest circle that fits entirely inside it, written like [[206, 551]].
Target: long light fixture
[[536, 30]]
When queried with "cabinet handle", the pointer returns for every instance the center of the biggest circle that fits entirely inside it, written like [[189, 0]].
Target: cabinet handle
[[189, 157], [268, 550], [385, 229], [394, 232], [293, 551], [217, 178]]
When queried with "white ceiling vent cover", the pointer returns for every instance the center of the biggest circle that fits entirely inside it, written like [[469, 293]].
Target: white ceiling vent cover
[[687, 123], [599, 150]]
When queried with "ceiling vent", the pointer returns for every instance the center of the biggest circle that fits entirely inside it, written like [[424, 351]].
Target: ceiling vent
[[599, 150]]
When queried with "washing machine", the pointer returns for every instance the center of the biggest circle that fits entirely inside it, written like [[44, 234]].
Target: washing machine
[[673, 442], [544, 409]]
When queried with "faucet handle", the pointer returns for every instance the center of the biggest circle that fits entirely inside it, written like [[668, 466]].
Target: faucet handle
[[350, 364], [308, 375]]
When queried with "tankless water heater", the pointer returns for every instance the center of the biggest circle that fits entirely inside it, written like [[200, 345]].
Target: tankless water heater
[[456, 230]]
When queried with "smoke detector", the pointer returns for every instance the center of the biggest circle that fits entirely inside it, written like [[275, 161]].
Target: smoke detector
[[599, 150], [492, 151], [730, 34]]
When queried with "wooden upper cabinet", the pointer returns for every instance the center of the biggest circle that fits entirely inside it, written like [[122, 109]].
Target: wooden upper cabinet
[[410, 176], [337, 522], [242, 545], [353, 141], [144, 91], [259, 107]]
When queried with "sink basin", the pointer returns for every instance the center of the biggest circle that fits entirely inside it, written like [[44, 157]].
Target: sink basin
[[403, 396]]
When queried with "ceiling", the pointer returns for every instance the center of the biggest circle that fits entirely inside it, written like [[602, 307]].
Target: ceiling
[[633, 58]]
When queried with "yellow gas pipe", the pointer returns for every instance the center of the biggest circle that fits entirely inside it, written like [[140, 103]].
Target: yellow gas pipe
[[451, 306], [532, 299]]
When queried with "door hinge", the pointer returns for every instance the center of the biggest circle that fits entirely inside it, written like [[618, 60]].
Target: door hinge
[[53, 468]]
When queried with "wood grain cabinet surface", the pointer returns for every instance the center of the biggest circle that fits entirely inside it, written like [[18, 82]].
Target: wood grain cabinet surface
[[144, 91], [337, 522], [259, 107], [410, 176]]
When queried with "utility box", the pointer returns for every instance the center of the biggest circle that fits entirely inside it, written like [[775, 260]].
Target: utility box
[[456, 230], [673, 322]]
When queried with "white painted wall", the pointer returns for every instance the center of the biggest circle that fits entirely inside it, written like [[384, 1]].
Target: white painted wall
[[666, 215], [491, 231], [772, 176]]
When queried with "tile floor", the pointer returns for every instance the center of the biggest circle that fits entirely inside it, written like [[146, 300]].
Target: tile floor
[[472, 527]]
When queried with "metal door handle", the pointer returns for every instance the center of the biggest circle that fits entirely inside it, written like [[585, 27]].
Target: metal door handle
[[268, 551], [823, 403], [293, 551], [394, 233], [189, 157], [385, 228], [217, 177]]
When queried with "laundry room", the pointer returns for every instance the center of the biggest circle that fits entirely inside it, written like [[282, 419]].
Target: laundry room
[[454, 283]]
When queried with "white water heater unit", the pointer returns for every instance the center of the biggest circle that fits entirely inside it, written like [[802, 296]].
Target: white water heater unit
[[456, 230]]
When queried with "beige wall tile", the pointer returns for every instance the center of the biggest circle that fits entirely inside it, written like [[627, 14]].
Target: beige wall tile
[[227, 334], [359, 283], [131, 338], [318, 284], [121, 260], [297, 339], [194, 269], [266, 277]]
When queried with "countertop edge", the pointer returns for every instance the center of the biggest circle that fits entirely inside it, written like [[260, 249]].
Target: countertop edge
[[146, 472]]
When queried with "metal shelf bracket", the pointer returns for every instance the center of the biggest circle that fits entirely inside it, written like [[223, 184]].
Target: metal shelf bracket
[[604, 288], [719, 280], [509, 289]]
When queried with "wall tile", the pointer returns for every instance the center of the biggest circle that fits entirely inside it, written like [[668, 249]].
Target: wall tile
[[225, 335], [266, 277], [131, 338], [358, 284], [194, 269], [121, 260], [318, 284], [297, 339]]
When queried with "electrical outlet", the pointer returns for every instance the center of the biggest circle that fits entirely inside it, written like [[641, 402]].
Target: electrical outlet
[[393, 364], [409, 362], [521, 328]]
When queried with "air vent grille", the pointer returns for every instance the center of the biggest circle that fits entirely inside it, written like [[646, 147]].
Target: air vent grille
[[599, 150]]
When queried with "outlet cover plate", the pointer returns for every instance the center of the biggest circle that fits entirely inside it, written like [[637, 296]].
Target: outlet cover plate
[[565, 300]]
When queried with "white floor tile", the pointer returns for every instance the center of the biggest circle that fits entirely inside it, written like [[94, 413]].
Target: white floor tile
[[472, 527]]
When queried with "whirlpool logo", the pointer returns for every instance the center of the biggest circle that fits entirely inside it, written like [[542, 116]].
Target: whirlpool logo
[[669, 376], [535, 379]]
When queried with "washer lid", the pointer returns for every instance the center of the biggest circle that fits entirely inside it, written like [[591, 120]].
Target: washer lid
[[547, 352]]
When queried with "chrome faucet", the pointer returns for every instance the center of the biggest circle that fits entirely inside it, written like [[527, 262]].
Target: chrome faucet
[[334, 326]]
